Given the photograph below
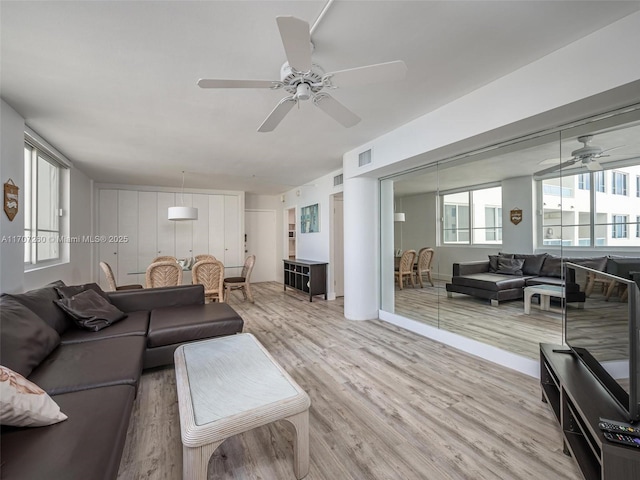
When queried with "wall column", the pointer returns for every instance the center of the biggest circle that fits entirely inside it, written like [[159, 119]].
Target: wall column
[[361, 247]]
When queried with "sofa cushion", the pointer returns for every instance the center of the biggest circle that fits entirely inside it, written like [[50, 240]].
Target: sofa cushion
[[493, 263], [42, 302], [173, 325], [136, 323], [79, 366], [88, 445], [490, 281], [90, 310], [510, 266], [71, 290], [532, 263], [24, 404], [551, 267], [597, 263], [25, 338]]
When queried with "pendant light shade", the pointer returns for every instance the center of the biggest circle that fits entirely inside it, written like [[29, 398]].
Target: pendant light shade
[[398, 217], [181, 212]]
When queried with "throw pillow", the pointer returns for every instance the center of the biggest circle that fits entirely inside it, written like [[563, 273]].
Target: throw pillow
[[90, 310], [510, 266], [41, 301], [493, 263], [26, 339], [70, 291], [24, 404]]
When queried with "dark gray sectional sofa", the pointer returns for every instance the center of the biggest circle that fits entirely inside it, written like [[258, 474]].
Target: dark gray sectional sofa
[[486, 280], [93, 376]]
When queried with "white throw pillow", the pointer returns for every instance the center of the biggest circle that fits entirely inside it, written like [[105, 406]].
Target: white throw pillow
[[24, 404]]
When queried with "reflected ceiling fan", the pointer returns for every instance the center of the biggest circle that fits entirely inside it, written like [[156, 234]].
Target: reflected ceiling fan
[[587, 155], [305, 80]]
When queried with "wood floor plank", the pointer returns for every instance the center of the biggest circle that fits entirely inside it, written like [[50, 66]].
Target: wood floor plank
[[385, 404]]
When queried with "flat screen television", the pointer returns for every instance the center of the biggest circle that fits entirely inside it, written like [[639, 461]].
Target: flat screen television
[[605, 334]]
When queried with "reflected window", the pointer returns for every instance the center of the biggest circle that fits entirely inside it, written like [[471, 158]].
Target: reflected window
[[473, 216], [619, 227], [619, 183]]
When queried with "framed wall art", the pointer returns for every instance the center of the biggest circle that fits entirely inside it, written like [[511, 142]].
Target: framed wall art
[[309, 219]]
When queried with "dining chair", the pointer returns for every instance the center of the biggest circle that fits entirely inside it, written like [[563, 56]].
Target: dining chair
[[164, 274], [243, 282], [210, 274], [405, 268], [204, 256], [423, 265], [111, 279], [164, 258]]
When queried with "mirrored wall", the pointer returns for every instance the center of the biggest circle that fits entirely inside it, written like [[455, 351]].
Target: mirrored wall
[[569, 193]]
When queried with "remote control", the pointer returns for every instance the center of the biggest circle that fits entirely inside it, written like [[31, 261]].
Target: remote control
[[623, 439], [618, 427]]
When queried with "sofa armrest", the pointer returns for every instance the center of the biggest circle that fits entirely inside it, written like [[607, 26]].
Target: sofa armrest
[[152, 298], [467, 268]]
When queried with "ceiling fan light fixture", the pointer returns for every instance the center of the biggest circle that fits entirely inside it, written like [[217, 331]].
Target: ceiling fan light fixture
[[398, 217]]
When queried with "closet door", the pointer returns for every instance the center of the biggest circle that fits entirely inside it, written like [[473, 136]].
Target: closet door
[[126, 241], [166, 228], [184, 229], [216, 227], [201, 226], [233, 255], [147, 231], [107, 225]]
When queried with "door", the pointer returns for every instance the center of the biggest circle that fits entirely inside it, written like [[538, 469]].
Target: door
[[260, 228]]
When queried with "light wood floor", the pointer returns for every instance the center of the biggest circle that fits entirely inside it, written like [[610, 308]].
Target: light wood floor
[[385, 404], [505, 326]]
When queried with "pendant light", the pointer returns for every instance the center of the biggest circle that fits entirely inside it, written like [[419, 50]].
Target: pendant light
[[179, 213]]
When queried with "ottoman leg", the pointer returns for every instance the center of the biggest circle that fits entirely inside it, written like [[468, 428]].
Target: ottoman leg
[[300, 423], [195, 461]]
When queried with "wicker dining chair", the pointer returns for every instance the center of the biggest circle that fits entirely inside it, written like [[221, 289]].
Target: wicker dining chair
[[243, 282], [205, 256], [111, 279], [164, 274], [210, 274], [164, 258], [405, 268], [423, 265]]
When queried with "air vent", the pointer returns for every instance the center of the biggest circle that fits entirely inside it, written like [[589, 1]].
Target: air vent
[[364, 158], [337, 180]]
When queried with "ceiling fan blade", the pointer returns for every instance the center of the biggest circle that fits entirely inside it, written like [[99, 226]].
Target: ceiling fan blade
[[380, 72], [554, 168], [223, 83], [336, 110], [609, 150], [277, 114], [297, 42]]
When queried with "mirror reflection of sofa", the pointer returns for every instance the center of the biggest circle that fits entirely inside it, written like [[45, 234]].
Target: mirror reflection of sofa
[[503, 277]]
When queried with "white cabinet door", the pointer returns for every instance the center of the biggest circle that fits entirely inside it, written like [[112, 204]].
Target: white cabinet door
[[184, 229], [233, 255], [166, 228], [127, 239], [216, 226], [147, 231], [201, 226], [108, 225]]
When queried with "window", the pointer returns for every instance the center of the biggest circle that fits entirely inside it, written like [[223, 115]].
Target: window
[[638, 226], [473, 216], [619, 226], [598, 180], [619, 183], [637, 185], [584, 181], [42, 175]]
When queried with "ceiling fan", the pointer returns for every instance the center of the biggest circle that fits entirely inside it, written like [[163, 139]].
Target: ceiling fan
[[305, 80], [587, 155]]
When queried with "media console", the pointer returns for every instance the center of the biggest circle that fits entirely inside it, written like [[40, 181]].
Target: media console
[[578, 401], [307, 276]]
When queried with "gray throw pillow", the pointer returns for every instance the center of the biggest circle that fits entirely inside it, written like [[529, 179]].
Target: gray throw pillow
[[90, 310], [42, 302], [26, 339], [510, 266], [70, 291]]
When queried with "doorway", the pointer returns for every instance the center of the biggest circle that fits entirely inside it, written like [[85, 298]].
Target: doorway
[[260, 228], [337, 244], [290, 228]]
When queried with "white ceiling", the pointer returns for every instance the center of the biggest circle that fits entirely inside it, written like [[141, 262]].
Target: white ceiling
[[112, 85]]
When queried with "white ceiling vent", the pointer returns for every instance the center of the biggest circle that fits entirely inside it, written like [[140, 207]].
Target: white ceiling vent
[[364, 158], [337, 180]]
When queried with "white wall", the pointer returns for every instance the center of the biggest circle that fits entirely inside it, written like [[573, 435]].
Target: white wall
[[80, 265], [11, 166]]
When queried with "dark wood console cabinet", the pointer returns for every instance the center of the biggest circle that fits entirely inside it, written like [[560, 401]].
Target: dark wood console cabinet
[[578, 400], [307, 276]]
